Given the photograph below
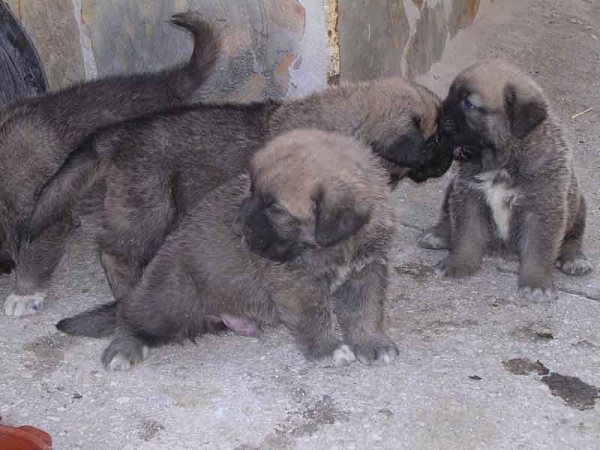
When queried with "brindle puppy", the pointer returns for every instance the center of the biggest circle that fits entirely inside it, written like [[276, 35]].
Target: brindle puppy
[[516, 189]]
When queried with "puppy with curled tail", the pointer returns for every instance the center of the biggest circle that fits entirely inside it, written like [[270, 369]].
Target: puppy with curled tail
[[304, 234], [515, 189], [37, 134]]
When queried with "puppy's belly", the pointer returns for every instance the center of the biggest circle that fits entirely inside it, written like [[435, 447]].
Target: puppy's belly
[[500, 198]]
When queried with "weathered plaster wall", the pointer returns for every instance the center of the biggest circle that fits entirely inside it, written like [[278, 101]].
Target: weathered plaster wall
[[398, 37], [272, 47]]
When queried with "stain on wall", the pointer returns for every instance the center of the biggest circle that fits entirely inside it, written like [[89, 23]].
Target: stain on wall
[[427, 44], [372, 38], [462, 14]]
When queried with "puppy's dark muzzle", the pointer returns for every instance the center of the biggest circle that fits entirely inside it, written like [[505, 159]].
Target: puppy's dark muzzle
[[439, 162], [258, 234], [450, 134], [274, 250]]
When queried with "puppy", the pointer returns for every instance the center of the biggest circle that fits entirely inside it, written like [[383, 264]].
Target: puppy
[[38, 134], [157, 168], [305, 234], [515, 188]]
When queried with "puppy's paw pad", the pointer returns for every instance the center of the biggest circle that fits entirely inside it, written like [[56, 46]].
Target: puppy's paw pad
[[432, 241], [528, 295], [23, 305], [576, 267], [343, 356], [380, 350]]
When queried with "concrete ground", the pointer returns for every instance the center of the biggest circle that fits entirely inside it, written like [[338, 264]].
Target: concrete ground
[[468, 375]]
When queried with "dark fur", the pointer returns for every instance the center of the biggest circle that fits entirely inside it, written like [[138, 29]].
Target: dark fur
[[325, 195], [157, 168], [515, 189], [38, 134]]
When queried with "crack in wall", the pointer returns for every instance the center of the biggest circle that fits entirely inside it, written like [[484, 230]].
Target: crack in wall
[[333, 41]]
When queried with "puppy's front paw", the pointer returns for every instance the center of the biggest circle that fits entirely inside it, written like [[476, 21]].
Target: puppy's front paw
[[24, 305], [432, 240], [452, 267], [322, 348], [529, 295], [343, 356], [377, 348], [124, 353], [576, 267]]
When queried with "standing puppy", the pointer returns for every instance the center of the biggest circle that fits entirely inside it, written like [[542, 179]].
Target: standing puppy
[[38, 133], [515, 188], [306, 234]]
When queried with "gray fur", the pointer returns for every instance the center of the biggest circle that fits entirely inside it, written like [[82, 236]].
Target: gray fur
[[206, 269], [515, 190], [38, 134]]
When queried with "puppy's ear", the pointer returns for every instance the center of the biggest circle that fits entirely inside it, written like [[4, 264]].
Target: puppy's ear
[[338, 215], [525, 112]]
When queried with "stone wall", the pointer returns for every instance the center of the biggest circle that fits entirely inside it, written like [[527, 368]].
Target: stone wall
[[271, 48], [396, 37]]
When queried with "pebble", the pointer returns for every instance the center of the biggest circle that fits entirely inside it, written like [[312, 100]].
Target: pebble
[[123, 400]]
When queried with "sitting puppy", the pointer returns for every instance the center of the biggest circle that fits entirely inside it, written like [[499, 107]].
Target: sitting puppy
[[38, 133], [515, 189], [306, 232], [158, 167]]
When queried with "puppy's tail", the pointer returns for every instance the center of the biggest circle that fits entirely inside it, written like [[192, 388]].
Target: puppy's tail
[[98, 322], [207, 46], [85, 166]]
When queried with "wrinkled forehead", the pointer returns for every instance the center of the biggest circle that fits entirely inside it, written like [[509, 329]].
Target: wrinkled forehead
[[291, 185], [481, 87], [484, 84]]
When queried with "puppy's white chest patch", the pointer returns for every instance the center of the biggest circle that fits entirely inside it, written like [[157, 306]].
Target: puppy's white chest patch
[[500, 198]]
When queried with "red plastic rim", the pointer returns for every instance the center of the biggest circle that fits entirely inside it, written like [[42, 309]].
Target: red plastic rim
[[24, 438]]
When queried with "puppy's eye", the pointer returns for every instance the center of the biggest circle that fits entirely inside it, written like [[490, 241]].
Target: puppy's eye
[[467, 104]]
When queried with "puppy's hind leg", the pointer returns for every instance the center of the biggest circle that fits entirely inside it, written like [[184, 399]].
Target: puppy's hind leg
[[359, 309], [571, 259], [304, 311], [36, 262], [121, 276], [131, 236], [438, 237]]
